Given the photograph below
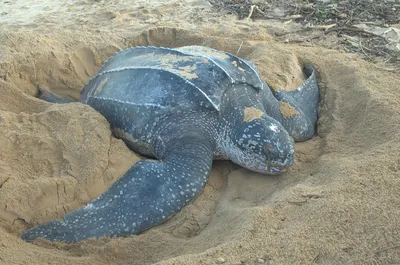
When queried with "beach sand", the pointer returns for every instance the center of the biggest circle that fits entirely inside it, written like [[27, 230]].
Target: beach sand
[[339, 203]]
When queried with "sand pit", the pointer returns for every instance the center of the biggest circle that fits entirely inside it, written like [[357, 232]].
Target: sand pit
[[337, 205]]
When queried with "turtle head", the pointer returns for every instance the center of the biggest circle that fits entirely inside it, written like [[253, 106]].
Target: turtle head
[[262, 145]]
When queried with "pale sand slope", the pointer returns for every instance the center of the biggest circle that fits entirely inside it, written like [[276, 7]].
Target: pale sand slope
[[337, 205]]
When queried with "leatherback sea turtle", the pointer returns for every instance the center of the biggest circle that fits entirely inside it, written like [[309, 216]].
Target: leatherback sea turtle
[[181, 108]]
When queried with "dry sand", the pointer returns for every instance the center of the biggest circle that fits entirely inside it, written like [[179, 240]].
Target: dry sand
[[339, 204]]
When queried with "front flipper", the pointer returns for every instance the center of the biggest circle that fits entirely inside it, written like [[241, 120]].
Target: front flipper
[[298, 109], [148, 194]]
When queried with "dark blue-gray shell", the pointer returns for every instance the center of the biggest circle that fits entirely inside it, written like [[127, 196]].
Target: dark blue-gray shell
[[170, 78]]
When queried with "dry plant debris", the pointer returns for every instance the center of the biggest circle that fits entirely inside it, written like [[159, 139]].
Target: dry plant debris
[[368, 27]]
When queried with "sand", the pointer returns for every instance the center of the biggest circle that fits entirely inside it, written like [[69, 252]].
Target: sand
[[339, 203]]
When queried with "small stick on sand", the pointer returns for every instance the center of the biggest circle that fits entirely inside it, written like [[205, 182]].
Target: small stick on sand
[[362, 49], [313, 196], [251, 11], [239, 48], [354, 30], [388, 69], [259, 10]]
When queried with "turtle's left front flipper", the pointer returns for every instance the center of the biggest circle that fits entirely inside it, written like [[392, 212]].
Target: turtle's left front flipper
[[298, 109], [148, 194]]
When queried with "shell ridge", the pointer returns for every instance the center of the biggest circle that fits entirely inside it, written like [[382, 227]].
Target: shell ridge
[[254, 70], [246, 63], [126, 102], [222, 68], [127, 50], [90, 93], [213, 61]]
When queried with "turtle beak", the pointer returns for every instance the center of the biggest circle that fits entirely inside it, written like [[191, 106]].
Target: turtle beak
[[278, 167]]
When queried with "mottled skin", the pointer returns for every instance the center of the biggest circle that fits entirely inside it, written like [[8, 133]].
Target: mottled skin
[[182, 108]]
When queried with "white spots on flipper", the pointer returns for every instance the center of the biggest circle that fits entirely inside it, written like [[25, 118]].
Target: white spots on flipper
[[274, 128], [89, 206]]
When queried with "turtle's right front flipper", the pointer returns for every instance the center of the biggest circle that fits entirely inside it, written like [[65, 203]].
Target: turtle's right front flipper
[[148, 194], [297, 110]]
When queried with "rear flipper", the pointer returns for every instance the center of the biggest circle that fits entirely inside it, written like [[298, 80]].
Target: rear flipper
[[51, 97], [298, 109]]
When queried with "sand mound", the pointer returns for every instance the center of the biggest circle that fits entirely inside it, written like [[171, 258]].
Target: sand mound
[[338, 204]]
